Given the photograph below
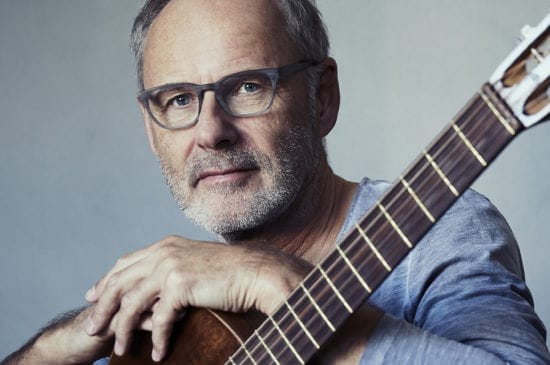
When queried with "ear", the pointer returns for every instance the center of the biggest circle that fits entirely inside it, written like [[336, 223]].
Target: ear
[[328, 96], [149, 129]]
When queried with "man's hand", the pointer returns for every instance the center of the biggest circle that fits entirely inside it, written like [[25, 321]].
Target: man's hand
[[165, 278]]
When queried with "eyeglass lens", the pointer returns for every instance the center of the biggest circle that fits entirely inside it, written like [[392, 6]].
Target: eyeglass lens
[[239, 95]]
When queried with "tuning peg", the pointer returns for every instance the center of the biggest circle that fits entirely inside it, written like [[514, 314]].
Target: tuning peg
[[525, 32]]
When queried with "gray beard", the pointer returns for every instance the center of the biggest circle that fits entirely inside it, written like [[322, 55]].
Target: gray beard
[[290, 171]]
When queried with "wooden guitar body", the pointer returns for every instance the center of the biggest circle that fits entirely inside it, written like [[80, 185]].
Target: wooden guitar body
[[203, 337]]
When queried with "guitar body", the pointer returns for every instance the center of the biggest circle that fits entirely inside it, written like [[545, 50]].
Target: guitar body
[[203, 337]]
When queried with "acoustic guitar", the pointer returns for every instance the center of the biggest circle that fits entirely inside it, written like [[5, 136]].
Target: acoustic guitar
[[516, 97]]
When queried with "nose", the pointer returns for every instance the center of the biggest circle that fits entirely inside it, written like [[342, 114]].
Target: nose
[[214, 129]]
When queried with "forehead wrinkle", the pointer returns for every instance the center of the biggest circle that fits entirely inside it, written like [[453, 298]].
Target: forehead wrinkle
[[183, 44]]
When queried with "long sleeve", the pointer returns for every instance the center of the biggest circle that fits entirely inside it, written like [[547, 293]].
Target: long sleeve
[[459, 296]]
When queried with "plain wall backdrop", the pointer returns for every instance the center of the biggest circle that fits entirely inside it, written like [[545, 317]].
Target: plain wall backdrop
[[79, 187]]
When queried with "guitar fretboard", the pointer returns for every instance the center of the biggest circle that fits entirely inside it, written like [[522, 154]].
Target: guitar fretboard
[[383, 237]]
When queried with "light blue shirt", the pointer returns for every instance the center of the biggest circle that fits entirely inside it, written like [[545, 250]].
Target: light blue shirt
[[459, 297]]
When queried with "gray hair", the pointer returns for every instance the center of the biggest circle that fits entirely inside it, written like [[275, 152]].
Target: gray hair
[[303, 20]]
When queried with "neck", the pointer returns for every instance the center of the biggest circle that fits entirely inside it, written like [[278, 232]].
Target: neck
[[309, 227]]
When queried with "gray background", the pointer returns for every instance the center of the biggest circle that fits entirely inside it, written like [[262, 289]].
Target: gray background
[[79, 187]]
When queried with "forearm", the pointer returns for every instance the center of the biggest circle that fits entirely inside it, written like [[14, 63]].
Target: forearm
[[395, 341], [347, 345], [62, 341]]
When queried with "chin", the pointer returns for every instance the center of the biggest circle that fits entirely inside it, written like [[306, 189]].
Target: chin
[[230, 219]]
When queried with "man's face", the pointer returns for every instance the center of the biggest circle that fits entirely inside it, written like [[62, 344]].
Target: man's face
[[231, 174]]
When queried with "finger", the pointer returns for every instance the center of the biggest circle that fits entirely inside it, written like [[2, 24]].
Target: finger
[[125, 281], [93, 294], [146, 323], [116, 288], [130, 315], [163, 320], [103, 311]]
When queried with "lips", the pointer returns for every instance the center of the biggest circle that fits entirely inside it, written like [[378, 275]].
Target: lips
[[224, 175], [221, 166]]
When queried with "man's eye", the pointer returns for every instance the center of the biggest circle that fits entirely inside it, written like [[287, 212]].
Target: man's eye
[[249, 87], [181, 100]]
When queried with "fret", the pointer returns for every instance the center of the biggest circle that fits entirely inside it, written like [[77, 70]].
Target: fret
[[469, 145], [327, 304], [441, 173], [362, 258], [417, 200], [373, 247], [248, 355], [311, 316], [497, 113], [301, 324], [288, 343], [538, 56], [336, 291], [312, 300], [353, 270], [395, 226], [429, 187], [267, 347]]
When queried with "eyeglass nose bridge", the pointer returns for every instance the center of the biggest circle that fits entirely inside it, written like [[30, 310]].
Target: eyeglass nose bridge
[[202, 89]]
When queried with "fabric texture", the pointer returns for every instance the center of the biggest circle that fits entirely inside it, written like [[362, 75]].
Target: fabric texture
[[459, 297]]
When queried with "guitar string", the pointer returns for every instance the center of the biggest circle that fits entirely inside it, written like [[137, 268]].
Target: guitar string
[[405, 205], [375, 219], [399, 194]]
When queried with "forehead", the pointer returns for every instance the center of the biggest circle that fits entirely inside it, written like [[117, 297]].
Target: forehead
[[202, 40]]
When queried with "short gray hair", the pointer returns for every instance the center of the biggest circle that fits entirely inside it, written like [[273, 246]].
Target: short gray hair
[[303, 20]]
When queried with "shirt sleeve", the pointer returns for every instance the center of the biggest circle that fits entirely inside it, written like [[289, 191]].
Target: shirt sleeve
[[398, 342], [459, 297]]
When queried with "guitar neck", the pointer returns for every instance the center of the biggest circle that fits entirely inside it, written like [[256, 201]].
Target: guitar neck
[[384, 236]]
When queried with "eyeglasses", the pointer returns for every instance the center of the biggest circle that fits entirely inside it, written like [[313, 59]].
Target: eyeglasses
[[242, 94]]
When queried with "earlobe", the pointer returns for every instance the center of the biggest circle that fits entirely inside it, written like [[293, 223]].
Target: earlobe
[[148, 125], [328, 96]]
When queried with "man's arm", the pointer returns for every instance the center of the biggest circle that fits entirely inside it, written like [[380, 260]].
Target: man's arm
[[459, 297], [175, 273], [63, 341]]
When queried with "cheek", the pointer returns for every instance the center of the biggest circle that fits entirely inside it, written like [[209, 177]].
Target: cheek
[[264, 133], [173, 147]]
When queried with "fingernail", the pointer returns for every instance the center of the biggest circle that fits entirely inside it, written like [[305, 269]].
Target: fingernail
[[155, 355], [90, 293], [119, 349]]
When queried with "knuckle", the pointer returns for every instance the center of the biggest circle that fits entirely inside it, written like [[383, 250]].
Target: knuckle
[[173, 237], [100, 312], [129, 302], [160, 320], [169, 240], [122, 260], [175, 279], [123, 330], [113, 283]]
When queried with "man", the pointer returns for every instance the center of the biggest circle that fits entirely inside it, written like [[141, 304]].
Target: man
[[236, 99]]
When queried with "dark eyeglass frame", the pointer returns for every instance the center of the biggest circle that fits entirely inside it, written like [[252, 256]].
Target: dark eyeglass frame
[[274, 75]]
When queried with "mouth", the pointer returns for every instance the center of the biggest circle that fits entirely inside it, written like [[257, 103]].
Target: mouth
[[230, 175]]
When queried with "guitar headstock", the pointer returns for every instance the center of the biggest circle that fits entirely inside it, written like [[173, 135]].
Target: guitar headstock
[[523, 80]]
